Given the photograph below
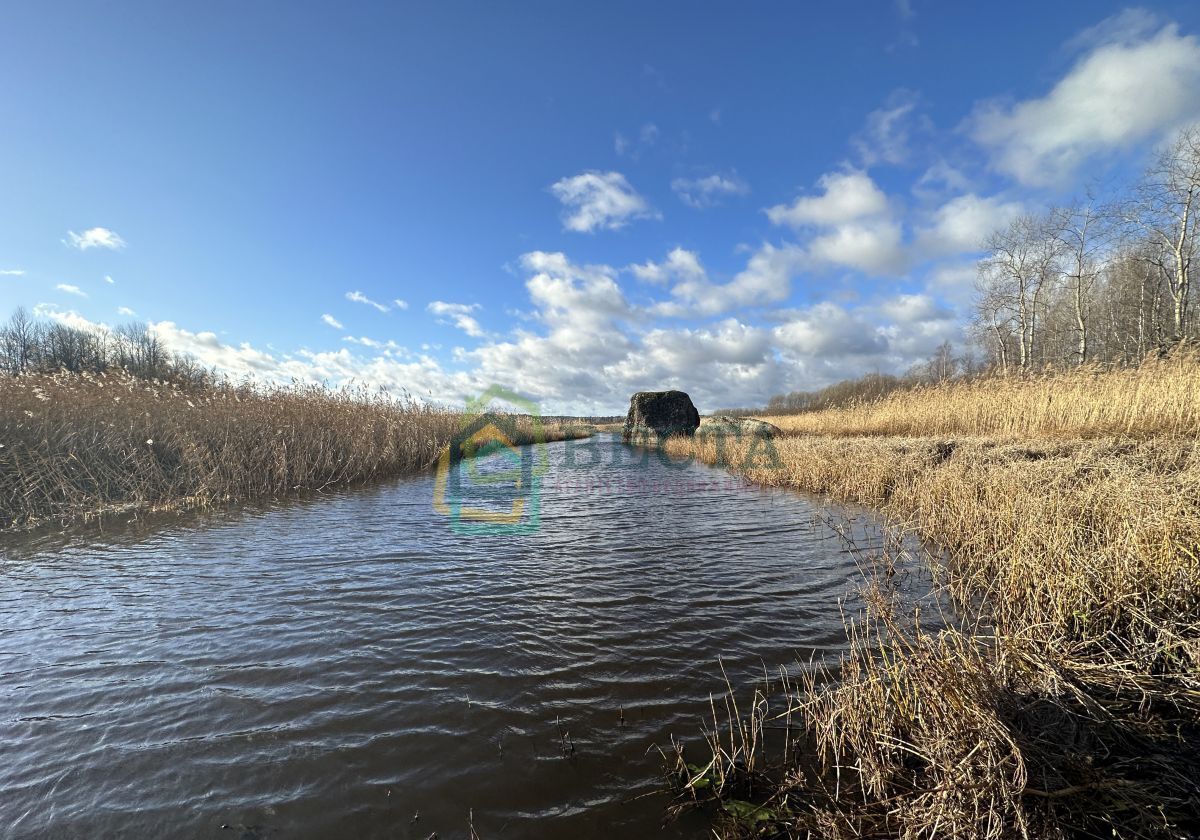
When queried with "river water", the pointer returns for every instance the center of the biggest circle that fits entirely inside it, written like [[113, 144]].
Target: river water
[[362, 665]]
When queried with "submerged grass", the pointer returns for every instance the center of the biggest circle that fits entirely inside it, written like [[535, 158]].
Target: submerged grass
[[1062, 697], [78, 446]]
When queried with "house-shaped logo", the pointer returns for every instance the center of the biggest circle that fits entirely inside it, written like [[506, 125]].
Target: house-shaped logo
[[489, 476]]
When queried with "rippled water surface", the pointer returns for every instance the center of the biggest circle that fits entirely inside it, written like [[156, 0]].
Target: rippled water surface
[[337, 666]]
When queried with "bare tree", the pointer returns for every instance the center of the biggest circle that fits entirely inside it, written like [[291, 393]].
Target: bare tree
[[1166, 208], [19, 340], [1018, 275], [1085, 235]]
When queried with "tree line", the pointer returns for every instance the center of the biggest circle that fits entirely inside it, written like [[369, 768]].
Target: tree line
[[1088, 282], [1097, 282], [33, 345]]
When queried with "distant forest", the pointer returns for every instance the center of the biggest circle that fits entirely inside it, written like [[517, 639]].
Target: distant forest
[[33, 345]]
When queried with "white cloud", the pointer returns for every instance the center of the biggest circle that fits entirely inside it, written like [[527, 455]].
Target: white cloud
[[71, 290], [333, 322], [847, 197], [709, 190], [940, 178], [680, 264], [833, 342], [70, 319], [766, 279], [872, 246], [388, 347], [1132, 86], [108, 279], [459, 315], [887, 136], [647, 136], [126, 311], [850, 224], [96, 237], [585, 348], [963, 222], [12, 272], [596, 200], [359, 297], [955, 282], [829, 330], [400, 304]]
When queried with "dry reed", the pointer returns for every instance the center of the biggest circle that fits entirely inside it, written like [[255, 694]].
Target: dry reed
[[1159, 398], [1064, 698], [77, 446]]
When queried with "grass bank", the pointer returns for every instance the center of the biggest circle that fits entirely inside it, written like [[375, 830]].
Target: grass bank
[[75, 446], [1063, 700], [1159, 398]]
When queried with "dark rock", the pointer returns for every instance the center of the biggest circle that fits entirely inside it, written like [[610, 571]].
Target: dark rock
[[660, 413], [738, 427]]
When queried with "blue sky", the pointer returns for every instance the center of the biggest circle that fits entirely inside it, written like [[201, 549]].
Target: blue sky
[[574, 201]]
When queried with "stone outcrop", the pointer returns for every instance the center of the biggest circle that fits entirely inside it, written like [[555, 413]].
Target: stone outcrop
[[738, 427], [657, 414]]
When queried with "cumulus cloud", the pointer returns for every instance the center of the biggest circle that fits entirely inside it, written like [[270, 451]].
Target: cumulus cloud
[[459, 315], [71, 290], [331, 321], [709, 190], [126, 311], [679, 264], [831, 342], [964, 222], [846, 197], [96, 237], [849, 223], [1133, 84], [584, 347], [400, 304], [766, 279], [872, 246], [359, 297], [599, 200], [12, 272], [108, 279]]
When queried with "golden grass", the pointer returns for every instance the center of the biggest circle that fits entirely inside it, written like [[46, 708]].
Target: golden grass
[[1159, 398], [77, 446], [1064, 698]]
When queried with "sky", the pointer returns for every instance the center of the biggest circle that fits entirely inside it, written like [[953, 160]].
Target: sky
[[574, 201]]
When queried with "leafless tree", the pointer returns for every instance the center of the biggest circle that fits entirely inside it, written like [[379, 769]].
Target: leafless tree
[[1085, 234], [1166, 207], [1018, 276]]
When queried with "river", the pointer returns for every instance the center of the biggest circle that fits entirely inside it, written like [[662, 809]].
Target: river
[[352, 665]]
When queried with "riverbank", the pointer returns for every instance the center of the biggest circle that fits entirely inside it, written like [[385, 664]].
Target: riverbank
[[78, 446], [1064, 699]]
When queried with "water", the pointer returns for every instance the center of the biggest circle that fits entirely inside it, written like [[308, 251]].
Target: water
[[337, 666]]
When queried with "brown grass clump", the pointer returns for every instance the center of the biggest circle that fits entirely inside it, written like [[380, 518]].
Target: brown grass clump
[[1161, 397], [76, 446], [1063, 699]]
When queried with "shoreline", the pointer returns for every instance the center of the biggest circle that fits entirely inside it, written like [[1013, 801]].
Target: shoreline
[[1072, 569]]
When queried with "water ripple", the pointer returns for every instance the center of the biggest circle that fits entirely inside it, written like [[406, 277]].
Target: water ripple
[[334, 667]]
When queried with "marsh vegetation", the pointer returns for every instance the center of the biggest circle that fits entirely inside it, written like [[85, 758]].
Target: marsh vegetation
[[1059, 696]]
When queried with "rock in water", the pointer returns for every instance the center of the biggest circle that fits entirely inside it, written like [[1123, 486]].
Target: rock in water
[[661, 413], [738, 427]]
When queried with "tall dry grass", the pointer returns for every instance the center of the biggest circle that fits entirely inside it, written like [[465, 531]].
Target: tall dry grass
[[1159, 398], [1064, 698], [75, 446]]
